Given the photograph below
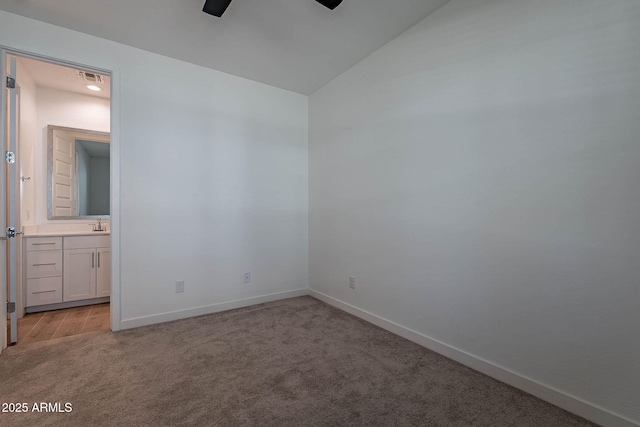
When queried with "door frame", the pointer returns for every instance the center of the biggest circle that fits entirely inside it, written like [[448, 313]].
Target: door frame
[[115, 305]]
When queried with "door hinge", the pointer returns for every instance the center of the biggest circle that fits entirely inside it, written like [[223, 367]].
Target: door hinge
[[11, 82], [11, 307], [10, 157]]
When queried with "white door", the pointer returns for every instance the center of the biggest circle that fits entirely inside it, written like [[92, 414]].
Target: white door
[[8, 204], [13, 215], [4, 99], [64, 152]]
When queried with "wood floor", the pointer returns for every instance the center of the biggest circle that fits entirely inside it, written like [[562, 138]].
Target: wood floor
[[48, 325]]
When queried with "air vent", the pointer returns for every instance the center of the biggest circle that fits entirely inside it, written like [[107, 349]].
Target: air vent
[[90, 77]]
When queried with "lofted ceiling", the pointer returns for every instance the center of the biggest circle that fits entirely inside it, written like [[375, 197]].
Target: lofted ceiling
[[298, 45]]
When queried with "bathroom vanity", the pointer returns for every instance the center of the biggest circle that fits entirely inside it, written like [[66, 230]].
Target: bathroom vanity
[[64, 263], [66, 270]]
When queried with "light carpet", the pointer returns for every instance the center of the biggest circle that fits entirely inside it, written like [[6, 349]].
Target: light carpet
[[295, 362]]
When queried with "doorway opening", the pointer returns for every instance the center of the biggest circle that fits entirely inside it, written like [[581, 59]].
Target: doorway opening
[[57, 196]]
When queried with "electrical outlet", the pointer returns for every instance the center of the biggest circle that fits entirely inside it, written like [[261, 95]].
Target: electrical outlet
[[352, 282], [179, 286], [247, 277]]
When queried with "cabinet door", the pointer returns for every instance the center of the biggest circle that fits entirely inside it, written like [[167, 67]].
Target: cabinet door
[[79, 275], [104, 272]]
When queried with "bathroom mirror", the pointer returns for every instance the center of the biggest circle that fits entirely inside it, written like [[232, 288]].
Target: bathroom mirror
[[78, 165]]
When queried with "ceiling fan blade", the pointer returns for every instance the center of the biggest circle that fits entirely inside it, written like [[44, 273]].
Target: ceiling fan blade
[[331, 4], [216, 7]]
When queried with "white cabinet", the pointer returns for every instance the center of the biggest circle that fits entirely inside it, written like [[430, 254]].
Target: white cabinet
[[103, 276], [87, 263], [68, 268], [79, 280], [43, 265]]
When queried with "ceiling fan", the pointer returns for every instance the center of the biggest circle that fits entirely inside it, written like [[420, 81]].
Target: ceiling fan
[[217, 7]]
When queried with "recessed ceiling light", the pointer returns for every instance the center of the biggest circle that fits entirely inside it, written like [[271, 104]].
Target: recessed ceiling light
[[94, 87]]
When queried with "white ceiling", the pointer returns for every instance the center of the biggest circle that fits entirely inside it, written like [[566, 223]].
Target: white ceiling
[[293, 44], [45, 74]]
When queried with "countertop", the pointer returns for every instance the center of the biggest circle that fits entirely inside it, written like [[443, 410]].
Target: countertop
[[71, 234]]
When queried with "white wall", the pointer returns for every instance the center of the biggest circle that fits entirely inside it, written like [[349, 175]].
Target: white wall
[[479, 177], [212, 173]]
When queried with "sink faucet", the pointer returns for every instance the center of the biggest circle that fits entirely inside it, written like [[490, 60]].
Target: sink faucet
[[99, 225]]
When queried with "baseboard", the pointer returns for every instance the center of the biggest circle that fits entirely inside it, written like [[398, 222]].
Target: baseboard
[[208, 309], [558, 398], [70, 304]]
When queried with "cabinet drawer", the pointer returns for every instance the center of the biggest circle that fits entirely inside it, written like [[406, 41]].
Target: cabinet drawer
[[87, 242], [44, 243], [44, 291], [44, 264]]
